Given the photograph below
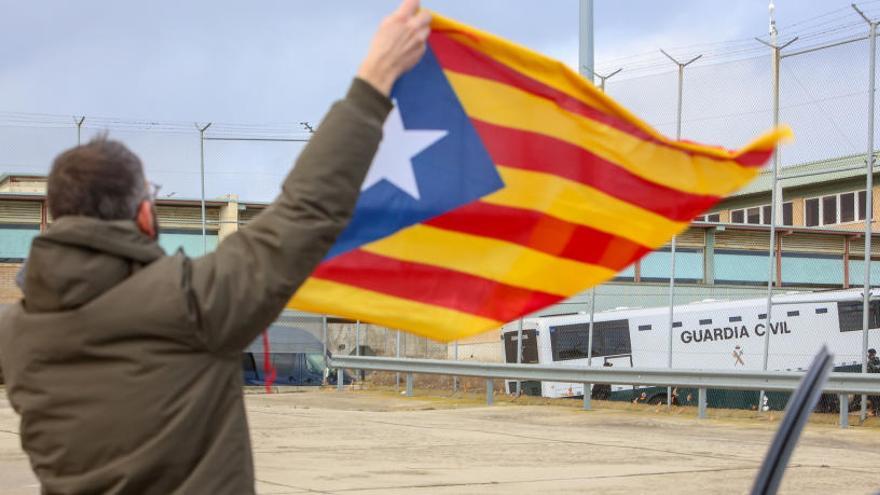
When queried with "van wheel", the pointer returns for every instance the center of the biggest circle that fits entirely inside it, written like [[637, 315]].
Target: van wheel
[[657, 400]]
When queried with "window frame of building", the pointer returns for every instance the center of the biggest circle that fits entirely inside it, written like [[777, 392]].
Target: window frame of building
[[763, 212], [22, 243], [741, 213], [709, 218], [683, 254], [858, 208]]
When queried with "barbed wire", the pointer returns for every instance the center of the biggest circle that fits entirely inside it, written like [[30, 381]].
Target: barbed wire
[[824, 29], [834, 26], [219, 129]]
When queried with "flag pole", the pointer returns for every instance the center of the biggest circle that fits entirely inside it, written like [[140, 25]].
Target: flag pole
[[585, 31]]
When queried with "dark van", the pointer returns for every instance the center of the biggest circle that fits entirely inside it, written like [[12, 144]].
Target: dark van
[[296, 355]]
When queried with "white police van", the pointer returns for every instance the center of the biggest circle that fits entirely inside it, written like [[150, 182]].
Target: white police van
[[706, 335]]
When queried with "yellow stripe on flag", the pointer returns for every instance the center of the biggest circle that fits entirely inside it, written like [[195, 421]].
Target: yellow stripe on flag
[[489, 258], [527, 62], [559, 76], [508, 106], [577, 203], [435, 322]]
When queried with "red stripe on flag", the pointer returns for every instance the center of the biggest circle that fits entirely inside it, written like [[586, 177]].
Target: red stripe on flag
[[433, 285], [540, 153], [542, 233], [464, 59]]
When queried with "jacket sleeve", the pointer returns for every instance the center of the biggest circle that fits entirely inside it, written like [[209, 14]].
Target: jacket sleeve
[[235, 292]]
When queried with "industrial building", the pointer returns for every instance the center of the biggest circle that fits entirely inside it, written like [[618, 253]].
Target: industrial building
[[23, 215], [723, 255]]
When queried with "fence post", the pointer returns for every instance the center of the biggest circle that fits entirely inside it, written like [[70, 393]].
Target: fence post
[[490, 392], [455, 378], [701, 403], [339, 379], [409, 384], [869, 193], [324, 342], [588, 387], [519, 349], [202, 130], [397, 355], [79, 123], [844, 410], [775, 195], [681, 66]]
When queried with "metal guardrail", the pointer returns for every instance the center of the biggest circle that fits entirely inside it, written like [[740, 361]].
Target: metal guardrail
[[785, 381]]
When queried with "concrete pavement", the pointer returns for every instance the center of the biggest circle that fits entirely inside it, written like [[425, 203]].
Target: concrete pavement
[[322, 441]]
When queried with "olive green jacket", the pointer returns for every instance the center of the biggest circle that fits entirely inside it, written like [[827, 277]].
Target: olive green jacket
[[125, 364]]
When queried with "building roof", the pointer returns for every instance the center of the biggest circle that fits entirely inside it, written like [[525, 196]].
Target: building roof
[[163, 201], [4, 178], [815, 172]]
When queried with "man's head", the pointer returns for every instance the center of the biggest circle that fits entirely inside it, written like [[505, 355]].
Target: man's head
[[101, 179], [872, 352]]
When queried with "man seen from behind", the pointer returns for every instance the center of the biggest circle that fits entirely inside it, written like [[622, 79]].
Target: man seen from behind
[[125, 363]]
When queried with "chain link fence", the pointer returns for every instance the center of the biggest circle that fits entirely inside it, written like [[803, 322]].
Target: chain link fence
[[719, 318]]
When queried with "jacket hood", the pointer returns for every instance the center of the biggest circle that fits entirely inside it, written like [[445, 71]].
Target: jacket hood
[[80, 258]]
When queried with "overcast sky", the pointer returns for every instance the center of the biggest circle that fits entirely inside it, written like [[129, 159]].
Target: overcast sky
[[272, 64]]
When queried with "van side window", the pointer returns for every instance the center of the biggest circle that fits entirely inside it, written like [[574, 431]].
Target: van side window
[[610, 338], [529, 347], [849, 314]]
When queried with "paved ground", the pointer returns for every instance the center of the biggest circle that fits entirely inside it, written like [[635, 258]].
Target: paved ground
[[370, 443]]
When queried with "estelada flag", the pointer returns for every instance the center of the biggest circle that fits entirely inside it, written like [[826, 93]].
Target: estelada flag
[[505, 183]]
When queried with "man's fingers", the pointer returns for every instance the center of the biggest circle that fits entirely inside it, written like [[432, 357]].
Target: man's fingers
[[423, 18], [408, 8], [419, 22], [422, 34], [416, 39]]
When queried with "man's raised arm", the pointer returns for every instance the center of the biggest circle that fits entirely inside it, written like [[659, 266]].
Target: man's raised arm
[[238, 290]]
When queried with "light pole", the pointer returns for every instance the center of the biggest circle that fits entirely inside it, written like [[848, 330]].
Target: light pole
[[681, 66]]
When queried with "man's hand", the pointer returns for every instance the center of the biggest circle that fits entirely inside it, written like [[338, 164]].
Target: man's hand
[[397, 46]]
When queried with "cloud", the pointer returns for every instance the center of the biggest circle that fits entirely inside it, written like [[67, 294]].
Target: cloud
[[281, 62]]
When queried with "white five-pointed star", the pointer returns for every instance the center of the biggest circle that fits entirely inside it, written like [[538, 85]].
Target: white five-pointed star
[[393, 160]]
